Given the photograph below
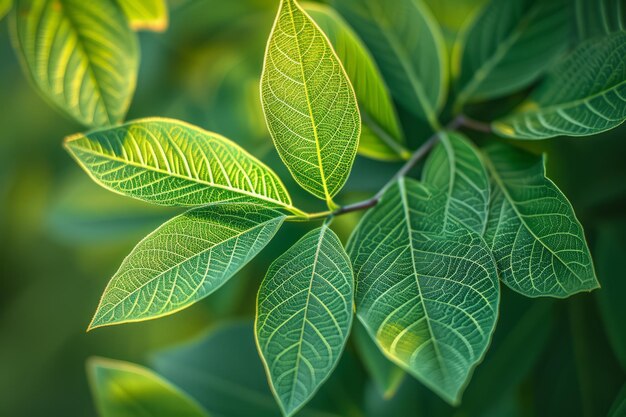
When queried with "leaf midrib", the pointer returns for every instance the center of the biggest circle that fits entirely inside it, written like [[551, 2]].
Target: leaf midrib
[[308, 100], [179, 176]]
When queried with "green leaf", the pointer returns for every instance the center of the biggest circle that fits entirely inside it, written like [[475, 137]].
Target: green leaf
[[599, 17], [146, 14], [381, 135], [508, 45], [610, 249], [309, 104], [538, 243], [304, 313], [386, 375], [123, 389], [407, 44], [172, 163], [81, 56], [185, 260], [5, 6], [455, 166], [430, 300], [585, 94]]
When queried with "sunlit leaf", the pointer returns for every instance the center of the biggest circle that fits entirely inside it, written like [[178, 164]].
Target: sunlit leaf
[[309, 104], [599, 17], [304, 313], [5, 6], [172, 163], [386, 375], [381, 135], [81, 55], [508, 45], [429, 299], [407, 44], [146, 14], [184, 260], [538, 243], [455, 166], [123, 389], [585, 94]]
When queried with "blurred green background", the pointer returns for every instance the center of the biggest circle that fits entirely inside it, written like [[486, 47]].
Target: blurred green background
[[62, 238]]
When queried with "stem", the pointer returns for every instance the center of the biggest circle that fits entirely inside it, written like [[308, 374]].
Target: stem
[[458, 122]]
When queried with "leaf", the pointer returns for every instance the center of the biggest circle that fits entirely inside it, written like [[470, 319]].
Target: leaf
[[599, 17], [584, 95], [5, 6], [538, 243], [407, 44], [610, 248], [309, 104], [123, 389], [430, 300], [146, 14], [455, 166], [185, 260], [304, 313], [172, 163], [386, 375], [81, 56], [381, 135], [508, 46]]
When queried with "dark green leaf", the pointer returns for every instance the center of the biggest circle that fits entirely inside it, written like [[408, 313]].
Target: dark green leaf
[[599, 17], [538, 243], [407, 44]]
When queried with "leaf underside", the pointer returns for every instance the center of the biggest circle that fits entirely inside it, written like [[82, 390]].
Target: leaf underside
[[538, 243], [81, 55], [304, 313], [583, 95], [172, 163], [184, 260], [309, 104]]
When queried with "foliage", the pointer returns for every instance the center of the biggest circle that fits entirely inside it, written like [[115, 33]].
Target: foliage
[[423, 267]]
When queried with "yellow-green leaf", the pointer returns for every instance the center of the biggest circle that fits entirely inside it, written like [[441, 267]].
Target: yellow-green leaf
[[5, 6], [123, 389], [146, 14], [185, 260], [172, 163], [381, 134], [81, 55], [310, 106]]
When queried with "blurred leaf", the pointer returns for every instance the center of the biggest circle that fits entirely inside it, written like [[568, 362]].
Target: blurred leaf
[[309, 104], [381, 135], [407, 44], [610, 250], [619, 406], [223, 372], [5, 6], [304, 314], [169, 162], [455, 166], [146, 14], [536, 239], [453, 15], [599, 17], [386, 375], [197, 253], [81, 55], [429, 299], [123, 389], [508, 45], [583, 95]]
